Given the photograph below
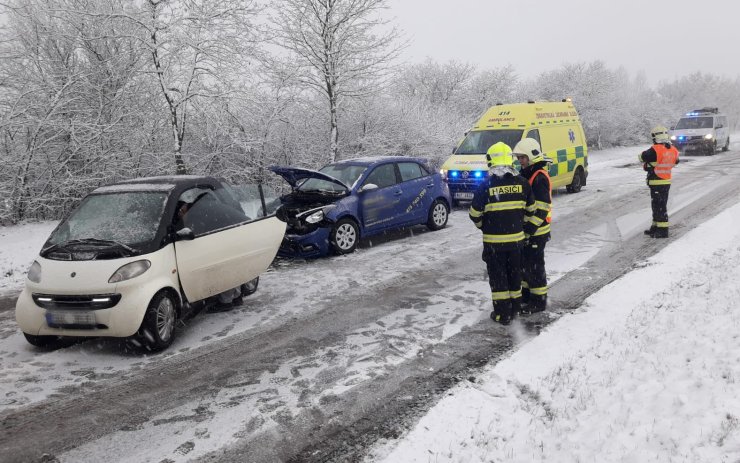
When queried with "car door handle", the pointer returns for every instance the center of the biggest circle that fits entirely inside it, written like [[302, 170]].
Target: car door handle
[[398, 193], [430, 185]]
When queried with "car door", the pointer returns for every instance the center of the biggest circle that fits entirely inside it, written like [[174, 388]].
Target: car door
[[228, 248], [380, 206], [417, 187]]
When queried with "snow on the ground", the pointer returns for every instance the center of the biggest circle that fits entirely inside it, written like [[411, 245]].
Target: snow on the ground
[[19, 245], [647, 370], [289, 291]]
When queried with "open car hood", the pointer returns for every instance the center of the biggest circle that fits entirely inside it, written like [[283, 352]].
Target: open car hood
[[293, 175]]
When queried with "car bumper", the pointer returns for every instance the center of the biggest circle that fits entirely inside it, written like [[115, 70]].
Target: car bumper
[[463, 189], [697, 144], [121, 320], [314, 244]]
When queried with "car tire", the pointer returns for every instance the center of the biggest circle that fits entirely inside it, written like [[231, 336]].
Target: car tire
[[727, 145], [438, 215], [157, 330], [344, 236], [250, 287], [712, 149], [49, 342], [578, 181]]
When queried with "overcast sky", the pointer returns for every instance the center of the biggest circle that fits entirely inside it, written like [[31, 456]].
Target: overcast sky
[[664, 38]]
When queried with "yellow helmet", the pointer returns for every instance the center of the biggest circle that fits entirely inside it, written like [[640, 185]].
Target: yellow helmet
[[659, 134], [530, 148], [499, 154]]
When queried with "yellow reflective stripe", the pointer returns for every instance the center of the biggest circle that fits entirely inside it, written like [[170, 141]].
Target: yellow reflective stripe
[[542, 230], [661, 224], [474, 212], [531, 208], [515, 294], [535, 220], [510, 238], [500, 295], [543, 205], [659, 182], [541, 291], [525, 284], [478, 224], [505, 206]]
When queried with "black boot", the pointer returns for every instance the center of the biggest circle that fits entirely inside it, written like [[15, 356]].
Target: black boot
[[651, 231], [536, 304], [660, 233]]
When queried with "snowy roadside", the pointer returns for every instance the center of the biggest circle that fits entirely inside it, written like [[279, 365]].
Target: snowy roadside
[[647, 370]]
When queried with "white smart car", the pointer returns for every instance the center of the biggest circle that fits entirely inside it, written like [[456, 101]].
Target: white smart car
[[135, 256]]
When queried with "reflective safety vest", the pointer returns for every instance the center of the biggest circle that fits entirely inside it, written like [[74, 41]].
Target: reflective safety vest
[[549, 185], [667, 158]]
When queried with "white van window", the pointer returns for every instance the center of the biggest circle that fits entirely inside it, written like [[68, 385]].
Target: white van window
[[686, 123], [534, 134], [478, 142]]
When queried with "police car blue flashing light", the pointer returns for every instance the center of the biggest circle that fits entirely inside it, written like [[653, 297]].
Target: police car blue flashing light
[[692, 114]]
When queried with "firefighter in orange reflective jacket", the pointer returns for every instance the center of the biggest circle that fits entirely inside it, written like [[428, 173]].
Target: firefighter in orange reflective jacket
[[498, 209], [658, 161], [537, 228]]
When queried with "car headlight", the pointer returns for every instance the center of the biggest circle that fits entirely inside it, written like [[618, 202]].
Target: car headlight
[[673, 137], [129, 271], [443, 173], [316, 217], [34, 273], [708, 136]]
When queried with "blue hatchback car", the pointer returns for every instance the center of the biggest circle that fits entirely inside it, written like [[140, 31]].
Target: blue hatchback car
[[332, 208]]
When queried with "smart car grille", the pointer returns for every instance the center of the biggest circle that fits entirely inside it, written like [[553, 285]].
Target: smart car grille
[[68, 302]]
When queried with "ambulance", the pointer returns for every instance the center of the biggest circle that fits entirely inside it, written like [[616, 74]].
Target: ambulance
[[555, 125]]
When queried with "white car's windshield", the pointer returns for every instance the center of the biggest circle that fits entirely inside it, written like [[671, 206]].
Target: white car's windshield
[[128, 218], [695, 123]]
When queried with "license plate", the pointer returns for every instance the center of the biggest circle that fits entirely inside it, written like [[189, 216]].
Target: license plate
[[57, 318], [464, 195]]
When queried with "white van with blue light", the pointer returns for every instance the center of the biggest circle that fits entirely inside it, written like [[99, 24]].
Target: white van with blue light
[[704, 130]]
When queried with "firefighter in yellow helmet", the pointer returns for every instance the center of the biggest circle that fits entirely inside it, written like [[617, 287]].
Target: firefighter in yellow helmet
[[658, 161], [537, 228], [498, 209]]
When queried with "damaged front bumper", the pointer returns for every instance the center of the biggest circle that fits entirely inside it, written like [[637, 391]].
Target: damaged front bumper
[[313, 244]]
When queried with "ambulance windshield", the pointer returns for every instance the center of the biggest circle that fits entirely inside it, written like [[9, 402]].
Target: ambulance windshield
[[479, 141]]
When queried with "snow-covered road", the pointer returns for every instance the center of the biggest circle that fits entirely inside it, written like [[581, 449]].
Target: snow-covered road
[[359, 323]]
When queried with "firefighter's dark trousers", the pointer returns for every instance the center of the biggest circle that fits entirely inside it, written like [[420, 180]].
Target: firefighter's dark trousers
[[659, 203], [505, 278], [534, 276]]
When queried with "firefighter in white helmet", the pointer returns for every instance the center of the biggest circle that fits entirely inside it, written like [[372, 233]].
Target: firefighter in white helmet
[[498, 209], [658, 161], [534, 277]]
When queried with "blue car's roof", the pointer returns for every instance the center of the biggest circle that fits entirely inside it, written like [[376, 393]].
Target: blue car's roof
[[369, 161]]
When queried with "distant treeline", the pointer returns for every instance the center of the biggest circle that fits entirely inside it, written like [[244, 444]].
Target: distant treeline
[[93, 91]]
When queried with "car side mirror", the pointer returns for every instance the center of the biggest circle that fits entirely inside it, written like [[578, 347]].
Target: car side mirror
[[368, 187], [184, 234]]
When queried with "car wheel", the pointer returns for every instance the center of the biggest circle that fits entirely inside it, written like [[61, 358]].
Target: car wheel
[[49, 342], [158, 327], [712, 149], [577, 182], [250, 287], [344, 236], [727, 145], [438, 215]]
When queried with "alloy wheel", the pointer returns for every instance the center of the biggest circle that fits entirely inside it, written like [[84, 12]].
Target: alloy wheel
[[165, 318], [345, 236]]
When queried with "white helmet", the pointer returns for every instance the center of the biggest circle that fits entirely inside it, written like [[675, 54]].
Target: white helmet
[[530, 148], [659, 134]]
